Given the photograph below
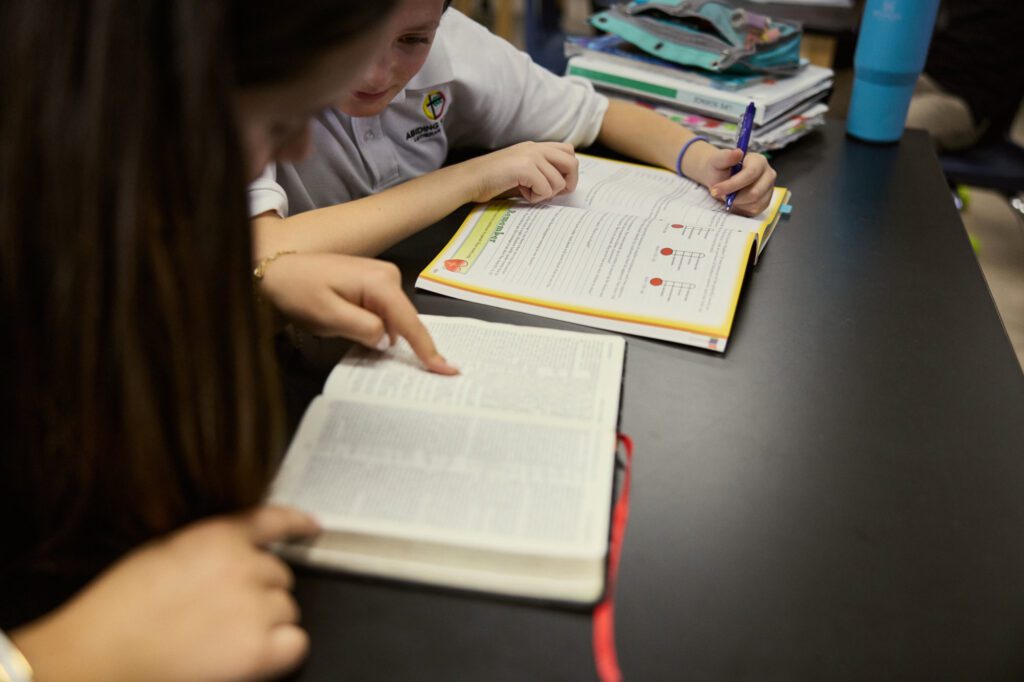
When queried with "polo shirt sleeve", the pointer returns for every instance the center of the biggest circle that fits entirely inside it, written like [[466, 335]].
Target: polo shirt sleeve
[[501, 97], [265, 194]]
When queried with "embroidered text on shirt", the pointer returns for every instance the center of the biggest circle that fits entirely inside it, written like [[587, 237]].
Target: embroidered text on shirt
[[423, 132]]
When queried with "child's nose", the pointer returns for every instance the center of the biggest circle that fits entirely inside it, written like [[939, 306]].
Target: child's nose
[[379, 75]]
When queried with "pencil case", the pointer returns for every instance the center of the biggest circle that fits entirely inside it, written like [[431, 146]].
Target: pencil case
[[707, 34]]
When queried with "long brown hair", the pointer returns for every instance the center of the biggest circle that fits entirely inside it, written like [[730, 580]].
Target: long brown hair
[[139, 389]]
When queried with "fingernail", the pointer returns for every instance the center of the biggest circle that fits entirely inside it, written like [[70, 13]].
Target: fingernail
[[384, 343], [714, 193], [443, 366]]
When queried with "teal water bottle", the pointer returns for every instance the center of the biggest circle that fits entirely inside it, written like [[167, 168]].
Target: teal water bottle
[[891, 49]]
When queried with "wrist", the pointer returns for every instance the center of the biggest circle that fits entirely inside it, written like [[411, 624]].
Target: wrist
[[481, 179], [261, 266], [695, 161], [466, 182], [61, 646]]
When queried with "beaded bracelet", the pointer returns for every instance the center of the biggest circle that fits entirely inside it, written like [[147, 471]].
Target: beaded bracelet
[[679, 159]]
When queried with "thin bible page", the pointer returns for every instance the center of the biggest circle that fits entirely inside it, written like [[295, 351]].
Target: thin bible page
[[506, 370], [451, 478]]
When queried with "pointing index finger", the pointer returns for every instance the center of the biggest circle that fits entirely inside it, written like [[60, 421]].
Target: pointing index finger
[[402, 320]]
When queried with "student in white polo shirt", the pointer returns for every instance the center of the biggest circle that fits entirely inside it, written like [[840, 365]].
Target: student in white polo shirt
[[375, 175]]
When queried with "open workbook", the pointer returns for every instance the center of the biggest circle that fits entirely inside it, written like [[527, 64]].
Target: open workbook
[[497, 480], [634, 249]]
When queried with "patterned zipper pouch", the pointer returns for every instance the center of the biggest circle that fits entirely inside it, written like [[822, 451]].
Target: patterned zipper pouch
[[707, 34]]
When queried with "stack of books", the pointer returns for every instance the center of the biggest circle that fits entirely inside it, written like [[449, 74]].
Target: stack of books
[[709, 103]]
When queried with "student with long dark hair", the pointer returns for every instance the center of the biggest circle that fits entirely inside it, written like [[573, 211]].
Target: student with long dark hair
[[141, 412]]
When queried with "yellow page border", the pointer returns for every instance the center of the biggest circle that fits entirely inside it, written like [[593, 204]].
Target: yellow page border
[[721, 332]]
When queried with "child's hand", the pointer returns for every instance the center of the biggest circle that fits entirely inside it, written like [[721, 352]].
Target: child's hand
[[207, 602], [536, 170], [753, 184], [357, 298]]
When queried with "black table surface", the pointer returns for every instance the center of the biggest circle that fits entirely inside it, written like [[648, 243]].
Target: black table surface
[[840, 496]]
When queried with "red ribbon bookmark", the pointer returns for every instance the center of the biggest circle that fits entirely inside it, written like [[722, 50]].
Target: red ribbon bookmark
[[605, 657]]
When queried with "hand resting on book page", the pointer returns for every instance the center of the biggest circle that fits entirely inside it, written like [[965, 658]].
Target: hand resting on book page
[[207, 602], [357, 298], [537, 171]]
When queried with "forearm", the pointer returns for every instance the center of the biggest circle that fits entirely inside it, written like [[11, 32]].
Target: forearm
[[368, 226], [648, 136]]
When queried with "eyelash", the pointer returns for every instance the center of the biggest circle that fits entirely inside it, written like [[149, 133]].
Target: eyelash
[[414, 40]]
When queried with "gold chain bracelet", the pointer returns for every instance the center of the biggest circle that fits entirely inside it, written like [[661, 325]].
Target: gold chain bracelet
[[261, 267]]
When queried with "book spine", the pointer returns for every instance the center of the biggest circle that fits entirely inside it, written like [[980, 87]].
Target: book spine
[[715, 106]]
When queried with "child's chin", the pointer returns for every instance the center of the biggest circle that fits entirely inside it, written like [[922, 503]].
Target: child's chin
[[360, 109]]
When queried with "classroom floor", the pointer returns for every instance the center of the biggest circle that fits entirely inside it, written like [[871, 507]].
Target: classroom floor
[[999, 234], [998, 230]]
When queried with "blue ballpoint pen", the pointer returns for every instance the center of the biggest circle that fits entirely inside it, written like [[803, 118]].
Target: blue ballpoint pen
[[742, 143]]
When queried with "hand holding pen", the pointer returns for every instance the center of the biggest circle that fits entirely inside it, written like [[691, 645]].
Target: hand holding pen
[[743, 181], [746, 125]]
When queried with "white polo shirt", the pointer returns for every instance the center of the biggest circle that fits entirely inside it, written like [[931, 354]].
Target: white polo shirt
[[475, 90]]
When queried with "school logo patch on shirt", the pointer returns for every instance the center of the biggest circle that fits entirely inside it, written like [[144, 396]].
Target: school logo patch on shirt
[[434, 103]]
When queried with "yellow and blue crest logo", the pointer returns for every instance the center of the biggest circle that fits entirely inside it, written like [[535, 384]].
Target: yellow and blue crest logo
[[434, 103]]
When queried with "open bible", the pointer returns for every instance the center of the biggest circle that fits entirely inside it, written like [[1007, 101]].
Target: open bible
[[634, 249], [497, 480]]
